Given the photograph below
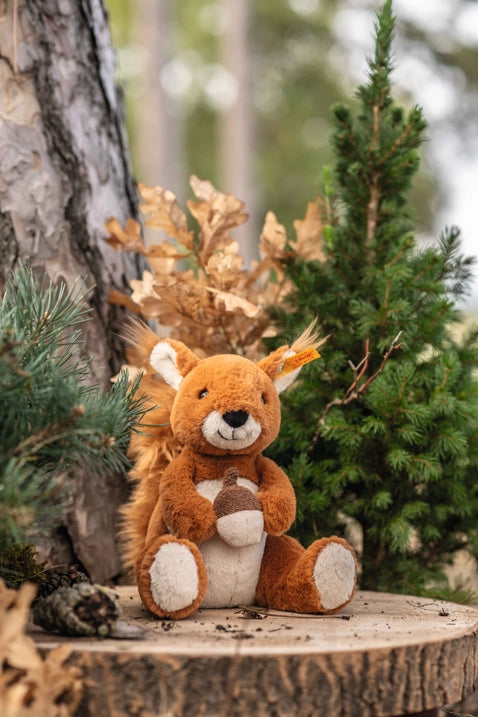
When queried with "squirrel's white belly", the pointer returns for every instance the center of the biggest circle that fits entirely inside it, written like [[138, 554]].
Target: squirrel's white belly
[[233, 571]]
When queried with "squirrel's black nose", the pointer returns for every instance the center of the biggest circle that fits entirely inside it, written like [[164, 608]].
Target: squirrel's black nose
[[235, 419]]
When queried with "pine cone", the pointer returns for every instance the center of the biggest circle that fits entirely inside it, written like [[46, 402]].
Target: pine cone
[[55, 579], [82, 609]]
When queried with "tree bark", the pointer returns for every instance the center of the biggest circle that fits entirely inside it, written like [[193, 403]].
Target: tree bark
[[64, 170]]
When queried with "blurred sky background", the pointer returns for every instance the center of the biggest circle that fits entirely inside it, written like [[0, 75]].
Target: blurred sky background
[[239, 92]]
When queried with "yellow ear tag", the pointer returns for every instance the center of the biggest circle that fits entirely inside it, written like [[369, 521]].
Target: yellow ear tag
[[297, 360]]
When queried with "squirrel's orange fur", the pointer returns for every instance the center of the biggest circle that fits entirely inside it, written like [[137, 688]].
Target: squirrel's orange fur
[[209, 421]]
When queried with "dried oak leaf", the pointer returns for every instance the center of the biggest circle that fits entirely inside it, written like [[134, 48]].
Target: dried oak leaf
[[165, 213], [189, 300], [216, 213], [273, 238], [54, 690], [204, 341], [127, 239], [145, 296], [32, 686], [274, 293], [163, 257], [203, 189], [309, 231], [15, 648], [133, 373], [117, 297], [233, 303], [224, 266]]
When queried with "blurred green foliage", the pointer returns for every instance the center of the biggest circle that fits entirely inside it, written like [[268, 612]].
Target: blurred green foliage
[[293, 86], [380, 438]]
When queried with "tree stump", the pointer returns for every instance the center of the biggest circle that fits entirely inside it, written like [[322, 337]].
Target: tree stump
[[382, 655]]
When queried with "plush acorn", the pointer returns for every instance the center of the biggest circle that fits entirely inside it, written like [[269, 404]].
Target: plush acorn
[[240, 520]]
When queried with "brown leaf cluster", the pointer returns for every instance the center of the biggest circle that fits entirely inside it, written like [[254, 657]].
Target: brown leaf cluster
[[198, 287], [30, 685]]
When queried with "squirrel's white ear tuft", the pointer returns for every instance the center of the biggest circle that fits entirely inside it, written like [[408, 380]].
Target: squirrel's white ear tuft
[[276, 367], [172, 360], [284, 380], [164, 360], [283, 365]]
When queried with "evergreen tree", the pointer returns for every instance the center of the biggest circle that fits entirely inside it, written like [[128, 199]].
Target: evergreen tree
[[382, 432], [51, 420]]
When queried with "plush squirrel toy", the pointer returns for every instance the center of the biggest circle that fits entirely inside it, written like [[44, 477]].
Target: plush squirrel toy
[[205, 525]]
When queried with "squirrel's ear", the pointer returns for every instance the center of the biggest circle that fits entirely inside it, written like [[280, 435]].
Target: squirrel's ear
[[173, 361], [284, 364], [274, 366]]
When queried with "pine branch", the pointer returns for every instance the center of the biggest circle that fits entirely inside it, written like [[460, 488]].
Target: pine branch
[[55, 431], [356, 389], [457, 270], [51, 420]]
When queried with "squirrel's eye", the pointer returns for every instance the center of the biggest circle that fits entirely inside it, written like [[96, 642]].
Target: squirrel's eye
[[263, 398], [203, 393]]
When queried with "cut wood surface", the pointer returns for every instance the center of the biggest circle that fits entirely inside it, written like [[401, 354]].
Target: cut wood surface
[[382, 655]]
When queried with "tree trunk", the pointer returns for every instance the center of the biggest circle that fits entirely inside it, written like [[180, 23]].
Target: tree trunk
[[236, 123], [64, 170], [159, 150]]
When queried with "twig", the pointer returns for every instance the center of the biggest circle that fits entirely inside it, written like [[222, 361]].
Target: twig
[[260, 613], [51, 433], [372, 211], [356, 389], [375, 193]]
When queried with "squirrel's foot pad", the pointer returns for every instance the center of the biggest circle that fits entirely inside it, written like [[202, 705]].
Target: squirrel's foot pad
[[334, 575], [173, 580], [174, 577]]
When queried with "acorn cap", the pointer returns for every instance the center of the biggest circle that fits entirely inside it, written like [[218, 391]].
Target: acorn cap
[[233, 498]]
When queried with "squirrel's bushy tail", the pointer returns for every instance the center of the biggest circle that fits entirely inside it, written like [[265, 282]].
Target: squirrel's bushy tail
[[152, 446]]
